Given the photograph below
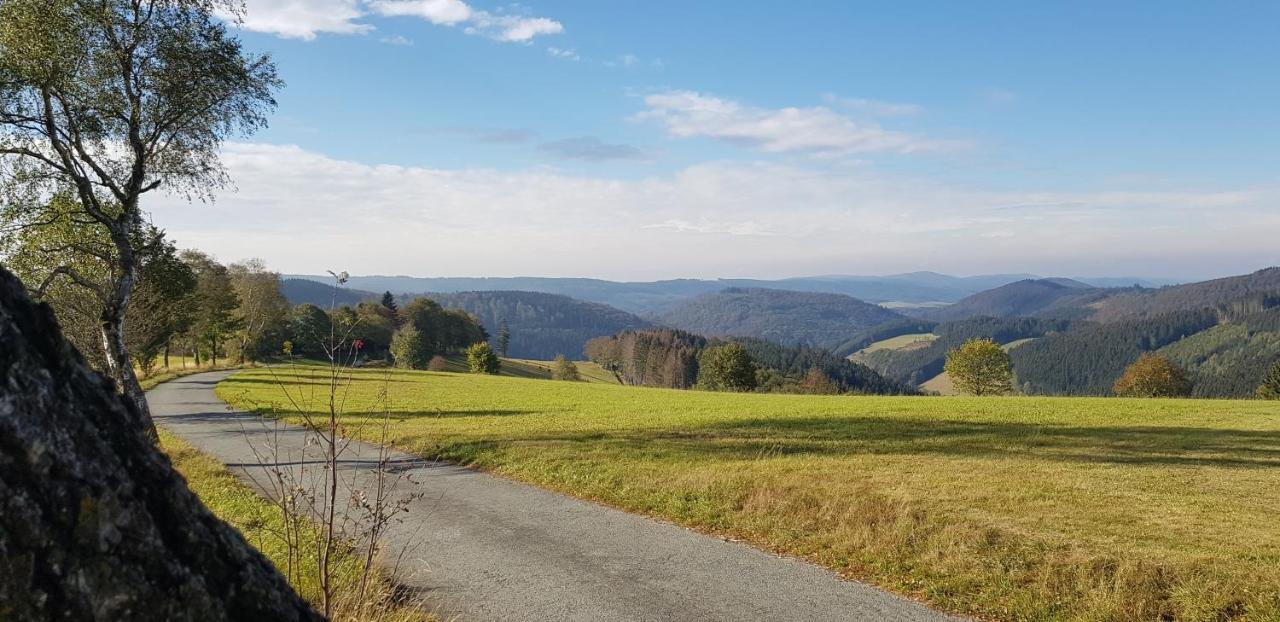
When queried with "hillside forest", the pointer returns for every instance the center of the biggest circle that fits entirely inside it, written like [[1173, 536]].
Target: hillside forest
[[1062, 336]]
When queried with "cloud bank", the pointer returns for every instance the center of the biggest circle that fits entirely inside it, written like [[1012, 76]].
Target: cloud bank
[[817, 130], [305, 212]]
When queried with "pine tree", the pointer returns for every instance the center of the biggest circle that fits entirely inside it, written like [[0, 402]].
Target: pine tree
[[504, 340], [389, 301], [1270, 389]]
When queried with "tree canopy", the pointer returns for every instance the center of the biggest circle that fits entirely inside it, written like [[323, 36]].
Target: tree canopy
[[1153, 375], [980, 367], [106, 101], [726, 367]]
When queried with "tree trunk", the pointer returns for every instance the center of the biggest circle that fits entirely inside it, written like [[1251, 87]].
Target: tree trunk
[[94, 522], [119, 362], [166, 352], [120, 366]]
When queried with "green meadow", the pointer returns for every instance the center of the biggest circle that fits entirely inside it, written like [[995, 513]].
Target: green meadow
[[1008, 508]]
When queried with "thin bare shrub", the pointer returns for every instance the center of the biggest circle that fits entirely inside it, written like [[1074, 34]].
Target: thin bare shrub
[[334, 519]]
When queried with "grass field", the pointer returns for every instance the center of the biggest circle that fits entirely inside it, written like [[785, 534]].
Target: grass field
[[261, 523], [1007, 508], [941, 384], [901, 342]]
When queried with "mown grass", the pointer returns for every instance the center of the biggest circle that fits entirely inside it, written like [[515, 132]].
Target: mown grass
[[1005, 508], [179, 366], [262, 524]]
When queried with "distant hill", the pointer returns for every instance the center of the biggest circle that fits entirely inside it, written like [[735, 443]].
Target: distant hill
[[786, 317], [1025, 298], [1189, 297], [323, 295], [656, 296], [1089, 359], [542, 325], [1231, 359]]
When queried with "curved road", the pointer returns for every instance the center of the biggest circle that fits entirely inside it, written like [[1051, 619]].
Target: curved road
[[483, 548]]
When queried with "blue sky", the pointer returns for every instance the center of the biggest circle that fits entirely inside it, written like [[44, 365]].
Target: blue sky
[[663, 139]]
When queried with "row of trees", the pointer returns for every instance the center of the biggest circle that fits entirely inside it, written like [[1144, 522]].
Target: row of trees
[[981, 367], [182, 302], [680, 360], [423, 330]]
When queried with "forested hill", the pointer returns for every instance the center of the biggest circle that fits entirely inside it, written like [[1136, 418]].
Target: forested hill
[[917, 365], [786, 317], [1057, 297], [670, 358], [323, 295], [1189, 297], [542, 325]]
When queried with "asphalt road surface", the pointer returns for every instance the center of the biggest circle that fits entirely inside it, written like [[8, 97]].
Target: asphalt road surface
[[480, 548]]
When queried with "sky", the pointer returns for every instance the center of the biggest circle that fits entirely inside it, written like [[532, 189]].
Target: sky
[[638, 140]]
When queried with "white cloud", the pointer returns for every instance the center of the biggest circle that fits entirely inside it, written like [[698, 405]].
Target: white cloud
[[304, 19], [817, 130], [512, 28], [305, 212], [301, 19], [442, 12]]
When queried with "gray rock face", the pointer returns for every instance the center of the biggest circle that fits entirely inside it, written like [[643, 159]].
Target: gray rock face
[[94, 522]]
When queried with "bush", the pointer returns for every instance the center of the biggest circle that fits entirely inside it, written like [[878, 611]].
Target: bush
[[407, 348], [482, 360], [564, 369], [980, 367], [1153, 375], [438, 363], [817, 383], [726, 368], [1270, 389]]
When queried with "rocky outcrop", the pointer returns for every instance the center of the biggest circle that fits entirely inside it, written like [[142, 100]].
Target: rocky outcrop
[[94, 522]]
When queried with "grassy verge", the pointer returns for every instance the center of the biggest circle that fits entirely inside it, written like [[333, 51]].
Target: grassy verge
[[174, 371], [261, 523], [1006, 508]]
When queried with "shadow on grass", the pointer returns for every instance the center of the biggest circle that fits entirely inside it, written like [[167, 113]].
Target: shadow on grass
[[318, 381], [826, 436]]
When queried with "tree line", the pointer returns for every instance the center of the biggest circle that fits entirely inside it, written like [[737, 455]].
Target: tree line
[[187, 304], [681, 360]]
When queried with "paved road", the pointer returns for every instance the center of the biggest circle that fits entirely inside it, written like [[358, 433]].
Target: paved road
[[483, 548]]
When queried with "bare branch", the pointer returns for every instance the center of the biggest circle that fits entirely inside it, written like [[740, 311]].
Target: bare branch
[[75, 276]]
